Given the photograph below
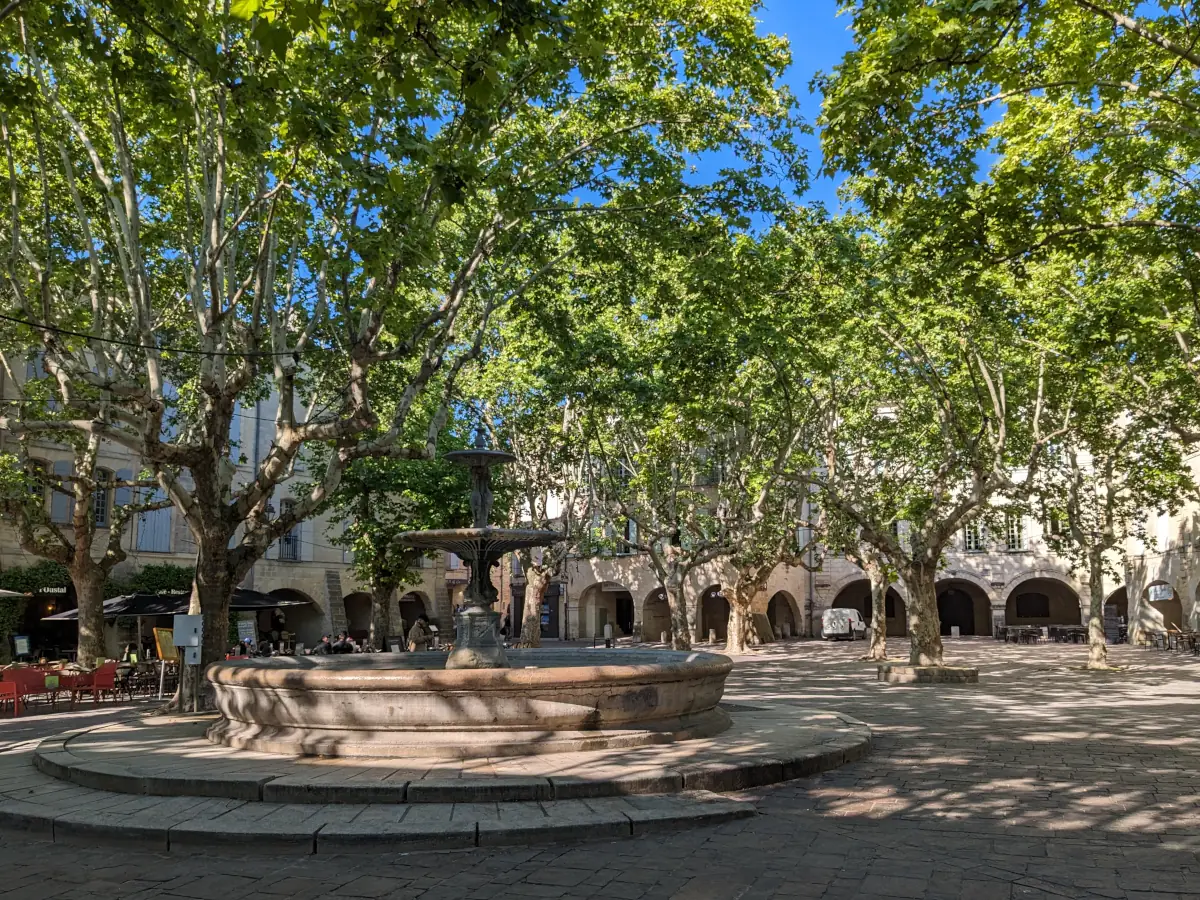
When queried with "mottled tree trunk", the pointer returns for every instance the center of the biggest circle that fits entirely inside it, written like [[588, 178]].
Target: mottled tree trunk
[[740, 626], [88, 579], [537, 578], [924, 627], [212, 588], [681, 633], [381, 615], [877, 651], [1097, 645]]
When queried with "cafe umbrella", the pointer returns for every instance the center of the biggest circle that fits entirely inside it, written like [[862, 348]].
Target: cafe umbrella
[[147, 605]]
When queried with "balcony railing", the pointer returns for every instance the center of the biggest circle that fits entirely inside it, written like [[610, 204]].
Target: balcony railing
[[289, 547]]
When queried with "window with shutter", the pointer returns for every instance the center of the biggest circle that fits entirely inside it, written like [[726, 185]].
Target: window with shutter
[[36, 471], [123, 496], [62, 504], [1014, 525], [102, 498], [289, 544], [154, 526], [973, 537]]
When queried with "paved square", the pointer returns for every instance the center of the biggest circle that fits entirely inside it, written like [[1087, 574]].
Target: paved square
[[1040, 781]]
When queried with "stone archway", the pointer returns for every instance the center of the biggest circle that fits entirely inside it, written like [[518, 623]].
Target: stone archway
[[1166, 611], [782, 614], [714, 614], [304, 622], [1119, 599], [656, 616], [965, 604], [606, 603], [857, 595], [358, 615], [1042, 601], [411, 606]]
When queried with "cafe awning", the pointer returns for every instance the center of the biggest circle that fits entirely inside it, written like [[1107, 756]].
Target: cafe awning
[[243, 600]]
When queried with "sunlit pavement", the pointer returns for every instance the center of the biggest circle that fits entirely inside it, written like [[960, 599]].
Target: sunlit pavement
[[1041, 781]]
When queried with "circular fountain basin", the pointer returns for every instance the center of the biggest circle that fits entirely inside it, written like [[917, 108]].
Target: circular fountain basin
[[409, 705]]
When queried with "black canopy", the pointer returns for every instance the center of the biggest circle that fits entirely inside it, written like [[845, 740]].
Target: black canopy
[[243, 600]]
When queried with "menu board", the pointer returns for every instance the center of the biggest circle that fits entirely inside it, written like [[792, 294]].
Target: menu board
[[247, 631], [164, 639]]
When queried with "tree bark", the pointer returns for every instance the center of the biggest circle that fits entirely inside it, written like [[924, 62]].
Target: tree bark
[[381, 615], [877, 651], [537, 578], [740, 631], [212, 589], [1097, 645], [681, 633], [924, 627], [88, 580]]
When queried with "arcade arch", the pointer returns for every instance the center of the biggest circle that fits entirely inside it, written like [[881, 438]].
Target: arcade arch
[[358, 614], [412, 605], [606, 603], [305, 621], [782, 611], [965, 604], [656, 616], [1170, 608], [1120, 599], [857, 595], [1042, 601], [714, 614]]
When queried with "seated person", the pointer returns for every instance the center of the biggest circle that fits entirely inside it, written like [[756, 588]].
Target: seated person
[[323, 647]]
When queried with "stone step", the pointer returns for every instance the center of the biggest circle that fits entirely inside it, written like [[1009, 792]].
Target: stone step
[[173, 759], [184, 824]]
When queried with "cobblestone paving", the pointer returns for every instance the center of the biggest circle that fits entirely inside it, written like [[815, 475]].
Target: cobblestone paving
[[1040, 781]]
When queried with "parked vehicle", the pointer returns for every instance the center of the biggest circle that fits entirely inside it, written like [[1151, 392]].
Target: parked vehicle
[[842, 623]]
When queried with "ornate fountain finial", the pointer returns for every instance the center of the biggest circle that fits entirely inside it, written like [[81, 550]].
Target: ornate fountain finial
[[480, 438]]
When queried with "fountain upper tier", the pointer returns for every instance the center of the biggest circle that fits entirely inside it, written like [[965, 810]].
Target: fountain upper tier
[[473, 543], [478, 643]]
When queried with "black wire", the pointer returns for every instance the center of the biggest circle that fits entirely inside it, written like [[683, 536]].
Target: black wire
[[42, 326]]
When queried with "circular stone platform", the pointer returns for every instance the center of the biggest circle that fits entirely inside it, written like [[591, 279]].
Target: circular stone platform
[[408, 705], [170, 757]]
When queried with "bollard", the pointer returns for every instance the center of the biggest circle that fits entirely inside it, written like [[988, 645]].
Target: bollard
[[665, 638], [712, 635]]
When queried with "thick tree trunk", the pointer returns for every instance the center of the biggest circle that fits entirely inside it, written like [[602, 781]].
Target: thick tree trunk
[[877, 651], [537, 578], [924, 627], [88, 580], [212, 588], [740, 626], [681, 635], [381, 615], [1097, 646]]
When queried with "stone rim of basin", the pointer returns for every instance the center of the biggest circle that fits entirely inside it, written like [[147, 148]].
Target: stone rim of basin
[[384, 671]]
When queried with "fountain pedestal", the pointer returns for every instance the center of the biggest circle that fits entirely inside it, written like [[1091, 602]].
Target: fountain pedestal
[[478, 643]]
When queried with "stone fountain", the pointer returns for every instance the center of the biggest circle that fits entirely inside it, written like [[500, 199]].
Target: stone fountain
[[478, 701], [477, 640]]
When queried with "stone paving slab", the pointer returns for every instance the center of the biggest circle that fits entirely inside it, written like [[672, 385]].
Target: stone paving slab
[[171, 757]]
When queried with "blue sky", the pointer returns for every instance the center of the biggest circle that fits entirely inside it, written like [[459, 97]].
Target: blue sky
[[819, 37]]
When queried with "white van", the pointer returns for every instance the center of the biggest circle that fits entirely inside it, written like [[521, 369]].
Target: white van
[[842, 623]]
